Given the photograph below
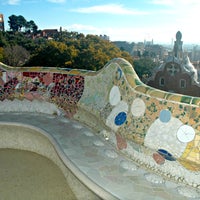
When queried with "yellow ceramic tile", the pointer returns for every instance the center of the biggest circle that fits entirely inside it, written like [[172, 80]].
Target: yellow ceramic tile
[[192, 154], [174, 98], [141, 88], [75, 72], [192, 121], [131, 81], [188, 164]]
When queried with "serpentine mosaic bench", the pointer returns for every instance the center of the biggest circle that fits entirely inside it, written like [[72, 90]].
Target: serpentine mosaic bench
[[156, 129]]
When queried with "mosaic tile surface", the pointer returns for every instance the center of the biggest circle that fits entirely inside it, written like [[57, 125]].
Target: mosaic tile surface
[[64, 90], [133, 112], [146, 115]]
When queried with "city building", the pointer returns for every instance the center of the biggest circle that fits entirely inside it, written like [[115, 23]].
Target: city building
[[105, 37], [176, 74], [1, 23], [48, 33]]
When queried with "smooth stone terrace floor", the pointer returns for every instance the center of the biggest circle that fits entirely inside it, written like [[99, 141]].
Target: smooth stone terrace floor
[[27, 175], [98, 160]]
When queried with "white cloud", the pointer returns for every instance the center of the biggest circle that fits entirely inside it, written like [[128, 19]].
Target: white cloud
[[161, 34], [182, 13], [86, 29], [131, 33], [109, 9]]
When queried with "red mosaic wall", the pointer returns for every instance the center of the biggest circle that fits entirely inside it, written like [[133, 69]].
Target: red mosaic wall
[[63, 89]]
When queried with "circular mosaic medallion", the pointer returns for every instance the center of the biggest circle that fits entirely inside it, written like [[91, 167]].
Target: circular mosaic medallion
[[120, 118], [121, 107], [138, 107], [115, 96], [165, 116], [185, 133]]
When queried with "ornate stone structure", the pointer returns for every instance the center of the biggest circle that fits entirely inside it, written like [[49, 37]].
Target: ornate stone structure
[[178, 50], [176, 74], [156, 129]]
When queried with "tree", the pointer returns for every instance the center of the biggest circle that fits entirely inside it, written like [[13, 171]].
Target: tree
[[95, 52], [31, 26], [1, 54], [53, 54], [144, 67], [16, 22], [21, 22], [66, 49], [12, 22], [15, 55], [3, 39]]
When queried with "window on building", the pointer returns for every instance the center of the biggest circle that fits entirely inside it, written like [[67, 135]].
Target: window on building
[[182, 83], [161, 81], [173, 68]]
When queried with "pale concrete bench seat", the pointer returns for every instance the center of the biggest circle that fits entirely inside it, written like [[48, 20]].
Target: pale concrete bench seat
[[93, 161]]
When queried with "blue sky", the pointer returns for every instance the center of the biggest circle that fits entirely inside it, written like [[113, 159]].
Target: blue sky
[[125, 20]]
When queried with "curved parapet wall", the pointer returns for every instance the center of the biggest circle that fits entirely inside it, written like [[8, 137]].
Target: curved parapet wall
[[161, 127]]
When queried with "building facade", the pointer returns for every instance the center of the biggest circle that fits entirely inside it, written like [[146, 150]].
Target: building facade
[[177, 74], [1, 23]]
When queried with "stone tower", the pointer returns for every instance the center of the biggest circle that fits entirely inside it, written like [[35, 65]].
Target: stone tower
[[1, 22], [178, 50]]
